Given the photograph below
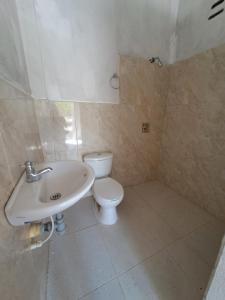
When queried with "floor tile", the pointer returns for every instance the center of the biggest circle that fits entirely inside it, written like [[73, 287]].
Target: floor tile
[[132, 238], [148, 216], [183, 252], [157, 226], [183, 216], [79, 263], [133, 206], [162, 247], [129, 245], [109, 291], [158, 278], [80, 215], [207, 239]]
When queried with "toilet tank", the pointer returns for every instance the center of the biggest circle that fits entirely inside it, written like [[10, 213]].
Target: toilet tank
[[101, 163]]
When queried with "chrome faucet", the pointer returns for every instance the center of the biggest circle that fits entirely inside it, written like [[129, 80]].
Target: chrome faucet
[[32, 175]]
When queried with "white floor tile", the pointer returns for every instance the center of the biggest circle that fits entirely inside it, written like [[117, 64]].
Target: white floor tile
[[109, 291], [162, 247], [157, 226], [129, 245], [80, 215], [79, 263], [158, 278], [183, 216], [184, 253], [135, 208], [207, 239], [135, 235]]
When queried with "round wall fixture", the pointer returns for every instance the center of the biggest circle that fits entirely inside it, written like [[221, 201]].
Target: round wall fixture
[[115, 81]]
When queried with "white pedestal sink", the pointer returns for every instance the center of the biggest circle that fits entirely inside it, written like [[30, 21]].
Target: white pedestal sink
[[53, 193]]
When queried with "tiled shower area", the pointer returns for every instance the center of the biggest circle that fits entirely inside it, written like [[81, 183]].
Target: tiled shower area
[[78, 77]]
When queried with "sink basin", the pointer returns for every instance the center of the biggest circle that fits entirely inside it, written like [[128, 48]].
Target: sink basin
[[56, 191]]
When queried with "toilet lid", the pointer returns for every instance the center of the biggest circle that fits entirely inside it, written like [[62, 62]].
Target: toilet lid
[[108, 189]]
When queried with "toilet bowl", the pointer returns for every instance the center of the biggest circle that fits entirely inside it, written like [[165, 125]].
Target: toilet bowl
[[108, 193]]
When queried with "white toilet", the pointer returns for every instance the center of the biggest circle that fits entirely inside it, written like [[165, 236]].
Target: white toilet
[[107, 192]]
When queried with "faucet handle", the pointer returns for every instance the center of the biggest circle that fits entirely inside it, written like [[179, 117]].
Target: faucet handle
[[28, 163]]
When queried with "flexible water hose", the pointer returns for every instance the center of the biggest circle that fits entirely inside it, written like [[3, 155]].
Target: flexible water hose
[[39, 244]]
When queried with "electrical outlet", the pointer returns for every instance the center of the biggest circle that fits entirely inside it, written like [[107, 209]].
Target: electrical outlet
[[145, 127]]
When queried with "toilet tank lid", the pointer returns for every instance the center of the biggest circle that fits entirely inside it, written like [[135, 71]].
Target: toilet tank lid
[[98, 156]]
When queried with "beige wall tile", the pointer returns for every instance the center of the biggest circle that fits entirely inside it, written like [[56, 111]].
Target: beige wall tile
[[19, 141], [68, 130], [56, 122], [117, 128], [193, 141]]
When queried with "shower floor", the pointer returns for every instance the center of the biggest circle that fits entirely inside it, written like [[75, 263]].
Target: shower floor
[[162, 247]]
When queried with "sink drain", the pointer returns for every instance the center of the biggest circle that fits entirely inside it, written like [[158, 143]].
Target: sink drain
[[55, 196]]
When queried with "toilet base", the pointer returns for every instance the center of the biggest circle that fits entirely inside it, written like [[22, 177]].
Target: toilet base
[[107, 216]]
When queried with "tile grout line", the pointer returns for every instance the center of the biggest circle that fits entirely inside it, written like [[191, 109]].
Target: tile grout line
[[164, 221], [115, 277], [107, 249], [102, 285], [173, 260], [122, 289], [74, 232], [118, 275], [179, 267]]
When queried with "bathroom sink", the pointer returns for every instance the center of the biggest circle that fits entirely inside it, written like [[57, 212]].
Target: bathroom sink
[[53, 193]]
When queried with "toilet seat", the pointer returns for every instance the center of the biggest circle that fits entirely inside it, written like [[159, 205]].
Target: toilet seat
[[108, 189]]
